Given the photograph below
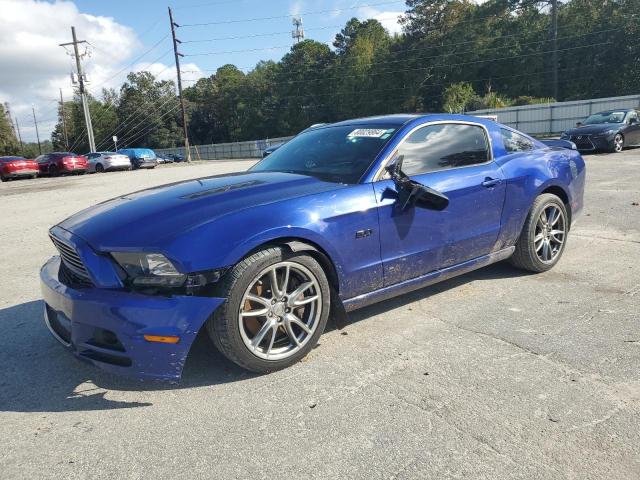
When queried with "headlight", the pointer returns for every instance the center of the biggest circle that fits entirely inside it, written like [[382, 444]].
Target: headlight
[[150, 270], [608, 133]]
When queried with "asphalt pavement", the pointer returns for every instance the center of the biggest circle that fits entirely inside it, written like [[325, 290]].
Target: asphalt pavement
[[497, 374]]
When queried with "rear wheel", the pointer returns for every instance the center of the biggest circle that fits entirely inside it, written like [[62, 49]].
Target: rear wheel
[[53, 171], [3, 178], [543, 235], [99, 168], [276, 309]]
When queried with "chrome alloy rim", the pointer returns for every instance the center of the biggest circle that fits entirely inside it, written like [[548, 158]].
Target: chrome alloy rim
[[618, 143], [550, 233], [280, 311]]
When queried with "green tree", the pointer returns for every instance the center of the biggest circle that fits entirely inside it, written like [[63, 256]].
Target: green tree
[[458, 97], [8, 141]]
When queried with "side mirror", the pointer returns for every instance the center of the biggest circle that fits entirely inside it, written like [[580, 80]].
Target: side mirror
[[578, 124], [412, 193]]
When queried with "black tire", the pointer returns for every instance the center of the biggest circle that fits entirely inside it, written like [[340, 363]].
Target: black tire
[[3, 178], [99, 168], [617, 144], [223, 327], [525, 255], [53, 171]]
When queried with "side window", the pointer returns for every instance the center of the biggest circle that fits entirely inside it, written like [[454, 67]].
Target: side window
[[442, 146], [514, 142]]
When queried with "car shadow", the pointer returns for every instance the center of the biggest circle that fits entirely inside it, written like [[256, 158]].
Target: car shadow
[[39, 375]]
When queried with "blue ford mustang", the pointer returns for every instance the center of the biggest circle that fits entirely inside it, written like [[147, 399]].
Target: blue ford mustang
[[338, 218]]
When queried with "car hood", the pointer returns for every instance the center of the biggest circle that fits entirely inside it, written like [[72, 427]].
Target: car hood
[[150, 219], [592, 129]]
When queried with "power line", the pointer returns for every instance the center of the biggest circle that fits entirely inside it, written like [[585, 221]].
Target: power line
[[133, 137], [259, 19], [136, 113], [371, 64], [111, 102], [387, 72], [257, 35]]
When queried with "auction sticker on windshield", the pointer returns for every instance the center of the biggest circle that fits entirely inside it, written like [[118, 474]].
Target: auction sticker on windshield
[[369, 133]]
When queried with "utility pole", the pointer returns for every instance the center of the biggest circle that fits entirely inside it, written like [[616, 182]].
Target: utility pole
[[35, 122], [19, 136], [184, 112], [554, 42], [298, 33], [83, 94], [64, 122]]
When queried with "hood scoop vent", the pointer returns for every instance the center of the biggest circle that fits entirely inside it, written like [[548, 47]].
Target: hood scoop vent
[[223, 189]]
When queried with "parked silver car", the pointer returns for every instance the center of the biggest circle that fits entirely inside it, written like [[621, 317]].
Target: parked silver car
[[104, 161]]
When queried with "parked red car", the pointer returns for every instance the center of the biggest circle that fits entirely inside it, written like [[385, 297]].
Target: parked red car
[[17, 167], [59, 163]]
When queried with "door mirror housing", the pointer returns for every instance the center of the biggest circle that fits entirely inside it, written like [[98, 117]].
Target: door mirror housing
[[578, 124], [412, 193]]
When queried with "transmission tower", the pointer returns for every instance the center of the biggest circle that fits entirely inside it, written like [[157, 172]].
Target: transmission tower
[[298, 33]]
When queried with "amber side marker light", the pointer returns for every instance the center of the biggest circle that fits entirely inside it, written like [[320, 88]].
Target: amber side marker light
[[160, 339]]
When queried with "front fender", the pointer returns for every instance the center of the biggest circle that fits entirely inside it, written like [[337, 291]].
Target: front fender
[[329, 220]]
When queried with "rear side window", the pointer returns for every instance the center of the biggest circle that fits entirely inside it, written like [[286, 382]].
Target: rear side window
[[514, 142], [442, 146]]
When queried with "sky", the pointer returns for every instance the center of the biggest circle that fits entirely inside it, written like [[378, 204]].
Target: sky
[[134, 35]]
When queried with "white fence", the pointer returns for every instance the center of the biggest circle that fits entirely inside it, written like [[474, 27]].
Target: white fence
[[541, 119], [554, 118], [224, 151]]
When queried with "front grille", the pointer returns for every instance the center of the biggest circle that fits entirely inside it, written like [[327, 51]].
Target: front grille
[[71, 262], [583, 142]]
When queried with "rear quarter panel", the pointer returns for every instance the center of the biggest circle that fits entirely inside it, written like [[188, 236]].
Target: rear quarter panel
[[529, 174]]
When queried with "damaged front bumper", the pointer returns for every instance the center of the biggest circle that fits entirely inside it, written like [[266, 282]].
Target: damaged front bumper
[[107, 327]]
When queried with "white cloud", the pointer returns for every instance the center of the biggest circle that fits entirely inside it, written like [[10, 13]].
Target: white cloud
[[190, 72], [389, 19], [34, 66]]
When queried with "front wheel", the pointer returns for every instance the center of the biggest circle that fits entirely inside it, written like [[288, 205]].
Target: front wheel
[[617, 143], [99, 168], [543, 236], [276, 309]]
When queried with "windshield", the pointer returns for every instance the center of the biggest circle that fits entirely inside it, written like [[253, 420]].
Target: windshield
[[605, 117], [336, 154]]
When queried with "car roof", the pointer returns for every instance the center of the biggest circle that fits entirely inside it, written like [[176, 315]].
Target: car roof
[[627, 110], [404, 119]]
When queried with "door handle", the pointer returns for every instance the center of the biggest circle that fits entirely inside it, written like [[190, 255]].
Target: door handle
[[491, 182]]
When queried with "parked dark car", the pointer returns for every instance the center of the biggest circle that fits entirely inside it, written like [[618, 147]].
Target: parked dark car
[[608, 131], [62, 163], [140, 157], [338, 218], [269, 150], [176, 157], [17, 167]]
